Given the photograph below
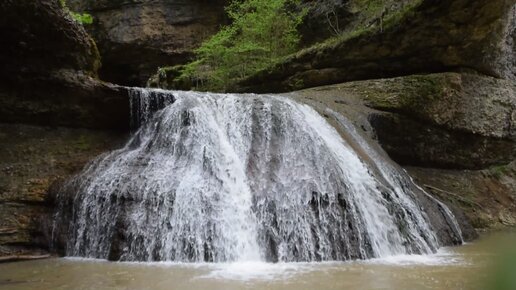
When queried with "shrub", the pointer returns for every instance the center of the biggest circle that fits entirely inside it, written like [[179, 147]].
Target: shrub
[[82, 18], [261, 33]]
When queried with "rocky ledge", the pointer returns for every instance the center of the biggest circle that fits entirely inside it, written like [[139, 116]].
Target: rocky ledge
[[453, 132], [444, 120], [427, 36]]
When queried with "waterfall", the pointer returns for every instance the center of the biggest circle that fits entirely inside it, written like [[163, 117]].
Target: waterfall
[[225, 177]]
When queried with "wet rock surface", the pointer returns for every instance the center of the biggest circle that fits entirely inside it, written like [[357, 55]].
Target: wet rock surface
[[31, 160], [457, 121], [487, 197], [447, 120]]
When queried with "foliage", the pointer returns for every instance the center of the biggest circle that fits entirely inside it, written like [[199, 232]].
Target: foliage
[[392, 19], [261, 33], [500, 170], [82, 18]]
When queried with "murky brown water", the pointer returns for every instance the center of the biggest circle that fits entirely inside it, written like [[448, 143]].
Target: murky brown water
[[464, 267]]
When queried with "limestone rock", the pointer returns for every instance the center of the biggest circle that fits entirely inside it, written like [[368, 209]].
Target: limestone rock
[[428, 36], [135, 37], [49, 69], [31, 160], [487, 197], [446, 120]]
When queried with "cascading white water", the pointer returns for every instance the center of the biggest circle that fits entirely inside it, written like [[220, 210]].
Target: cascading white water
[[218, 178]]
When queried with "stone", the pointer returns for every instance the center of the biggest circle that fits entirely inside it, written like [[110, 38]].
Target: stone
[[48, 78]]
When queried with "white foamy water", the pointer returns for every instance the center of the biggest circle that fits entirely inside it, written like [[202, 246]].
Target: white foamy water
[[242, 178], [465, 267], [263, 271]]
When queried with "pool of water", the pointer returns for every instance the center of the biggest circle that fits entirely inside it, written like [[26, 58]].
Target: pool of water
[[465, 267]]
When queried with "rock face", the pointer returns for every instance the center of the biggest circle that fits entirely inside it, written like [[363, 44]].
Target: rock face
[[446, 120], [32, 158], [457, 141], [428, 36], [456, 121], [487, 197], [324, 19], [135, 37], [39, 36], [48, 77], [327, 18], [49, 69]]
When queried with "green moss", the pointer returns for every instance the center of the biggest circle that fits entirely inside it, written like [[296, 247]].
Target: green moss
[[499, 171], [296, 84], [82, 18], [421, 90], [83, 143], [411, 93], [396, 18], [368, 7]]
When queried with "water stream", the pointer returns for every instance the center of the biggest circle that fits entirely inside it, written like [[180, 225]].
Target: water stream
[[247, 178]]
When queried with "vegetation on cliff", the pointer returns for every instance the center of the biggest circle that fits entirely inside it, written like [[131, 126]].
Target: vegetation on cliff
[[265, 34], [83, 18], [261, 32]]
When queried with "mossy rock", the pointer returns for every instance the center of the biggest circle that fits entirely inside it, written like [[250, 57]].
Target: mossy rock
[[425, 37]]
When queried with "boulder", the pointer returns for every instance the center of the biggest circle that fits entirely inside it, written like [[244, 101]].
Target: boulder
[[40, 36]]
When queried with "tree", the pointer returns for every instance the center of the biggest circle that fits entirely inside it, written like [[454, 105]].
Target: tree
[[261, 32]]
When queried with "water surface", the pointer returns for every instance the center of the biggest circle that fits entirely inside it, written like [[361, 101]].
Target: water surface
[[462, 267]]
